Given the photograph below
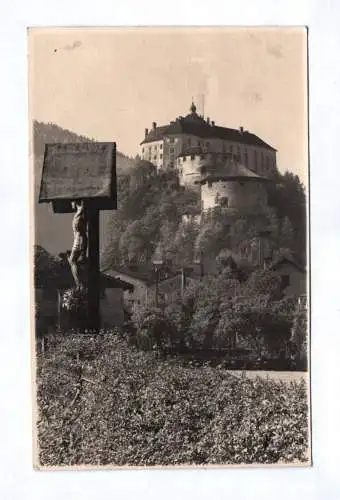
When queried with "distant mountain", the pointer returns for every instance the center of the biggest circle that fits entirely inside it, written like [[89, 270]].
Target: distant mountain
[[53, 231]]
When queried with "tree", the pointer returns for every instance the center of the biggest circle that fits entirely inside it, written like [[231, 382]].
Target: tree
[[262, 282], [154, 329], [132, 245], [46, 266], [184, 242], [288, 197], [286, 238]]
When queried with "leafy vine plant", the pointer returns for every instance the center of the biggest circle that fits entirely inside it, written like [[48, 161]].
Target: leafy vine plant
[[74, 300]]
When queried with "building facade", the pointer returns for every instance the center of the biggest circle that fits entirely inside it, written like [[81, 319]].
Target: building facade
[[148, 287], [162, 145]]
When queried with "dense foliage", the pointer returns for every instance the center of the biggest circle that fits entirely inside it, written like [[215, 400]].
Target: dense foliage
[[103, 402], [151, 206]]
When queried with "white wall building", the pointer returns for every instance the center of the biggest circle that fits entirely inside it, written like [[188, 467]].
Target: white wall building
[[162, 145]]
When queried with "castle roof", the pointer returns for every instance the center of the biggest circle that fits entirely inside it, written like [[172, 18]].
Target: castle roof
[[229, 170], [194, 124]]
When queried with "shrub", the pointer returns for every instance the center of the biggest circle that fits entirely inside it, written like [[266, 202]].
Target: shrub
[[154, 329], [102, 402], [74, 308], [260, 330]]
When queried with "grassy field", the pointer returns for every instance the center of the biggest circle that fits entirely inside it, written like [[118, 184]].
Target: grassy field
[[102, 402]]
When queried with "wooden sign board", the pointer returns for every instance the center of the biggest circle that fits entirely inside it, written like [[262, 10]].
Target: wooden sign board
[[85, 171]]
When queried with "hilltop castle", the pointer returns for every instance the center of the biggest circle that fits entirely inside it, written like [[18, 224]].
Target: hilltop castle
[[230, 167]]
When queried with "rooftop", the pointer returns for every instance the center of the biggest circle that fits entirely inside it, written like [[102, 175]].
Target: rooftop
[[228, 169], [147, 274], [194, 124]]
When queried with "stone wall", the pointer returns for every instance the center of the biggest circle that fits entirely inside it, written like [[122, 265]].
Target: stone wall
[[234, 195]]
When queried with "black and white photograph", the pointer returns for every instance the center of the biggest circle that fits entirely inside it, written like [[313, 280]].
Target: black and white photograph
[[169, 247]]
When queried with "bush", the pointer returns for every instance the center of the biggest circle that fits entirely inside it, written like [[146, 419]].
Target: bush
[[102, 402], [154, 330], [74, 309], [256, 329]]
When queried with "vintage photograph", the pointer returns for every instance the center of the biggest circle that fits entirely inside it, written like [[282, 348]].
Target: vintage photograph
[[170, 251]]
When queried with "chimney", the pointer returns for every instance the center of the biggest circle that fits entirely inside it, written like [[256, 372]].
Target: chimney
[[212, 123], [154, 125], [208, 120], [241, 130], [146, 132]]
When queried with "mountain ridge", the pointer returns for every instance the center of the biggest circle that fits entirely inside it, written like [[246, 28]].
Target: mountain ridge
[[53, 231]]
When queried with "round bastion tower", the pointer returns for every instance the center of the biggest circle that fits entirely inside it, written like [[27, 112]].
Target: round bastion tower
[[226, 182]]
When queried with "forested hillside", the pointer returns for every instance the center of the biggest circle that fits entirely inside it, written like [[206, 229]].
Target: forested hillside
[[150, 220]]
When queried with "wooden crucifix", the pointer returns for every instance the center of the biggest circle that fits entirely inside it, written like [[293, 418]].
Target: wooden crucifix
[[81, 178]]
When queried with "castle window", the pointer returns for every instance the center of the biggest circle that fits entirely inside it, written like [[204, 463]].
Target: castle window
[[209, 184], [207, 144], [142, 150], [184, 158], [161, 156], [172, 140], [155, 157], [255, 159], [192, 157], [161, 146], [262, 162]]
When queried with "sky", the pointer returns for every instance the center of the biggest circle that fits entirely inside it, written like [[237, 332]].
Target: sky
[[111, 84]]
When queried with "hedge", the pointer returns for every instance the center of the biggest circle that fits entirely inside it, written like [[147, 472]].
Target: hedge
[[104, 402]]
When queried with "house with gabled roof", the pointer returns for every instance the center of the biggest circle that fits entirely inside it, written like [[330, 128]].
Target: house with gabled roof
[[293, 276], [167, 283]]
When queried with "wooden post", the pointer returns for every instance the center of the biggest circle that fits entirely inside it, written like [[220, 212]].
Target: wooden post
[[93, 284], [59, 325], [157, 287]]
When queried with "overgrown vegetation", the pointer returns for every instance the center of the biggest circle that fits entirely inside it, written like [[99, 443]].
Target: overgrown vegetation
[[104, 402], [149, 217], [224, 313]]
